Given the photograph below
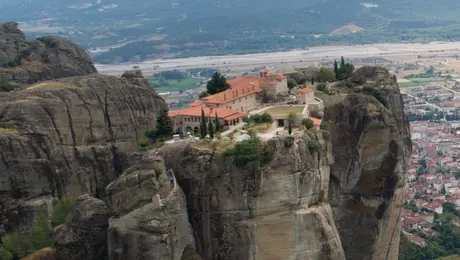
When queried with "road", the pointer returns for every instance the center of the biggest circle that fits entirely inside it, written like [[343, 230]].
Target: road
[[312, 55], [422, 105]]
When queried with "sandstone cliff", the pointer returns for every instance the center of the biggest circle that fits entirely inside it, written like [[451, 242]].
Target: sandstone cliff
[[151, 214], [371, 146], [275, 210], [71, 136], [25, 62]]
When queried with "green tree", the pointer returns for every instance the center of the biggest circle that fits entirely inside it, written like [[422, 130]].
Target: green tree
[[218, 127], [14, 244], [449, 207], [292, 117], [457, 175], [443, 190], [336, 69], [289, 127], [342, 62], [246, 152], [5, 254], [266, 118], [203, 125], [307, 123], [203, 94], [246, 120], [323, 126], [164, 124], [325, 74], [312, 81], [62, 208], [422, 163], [291, 83], [40, 237], [210, 129], [218, 83]]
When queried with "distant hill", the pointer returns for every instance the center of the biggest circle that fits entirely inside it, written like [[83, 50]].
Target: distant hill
[[152, 28]]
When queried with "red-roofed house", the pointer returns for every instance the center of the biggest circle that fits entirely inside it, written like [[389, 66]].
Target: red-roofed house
[[413, 223], [434, 207], [188, 119], [417, 240], [306, 95]]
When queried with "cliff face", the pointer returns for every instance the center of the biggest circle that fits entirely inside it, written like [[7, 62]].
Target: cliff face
[[25, 62], [371, 145], [72, 136], [152, 220], [276, 211]]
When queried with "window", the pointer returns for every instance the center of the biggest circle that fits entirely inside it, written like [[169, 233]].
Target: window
[[233, 102]]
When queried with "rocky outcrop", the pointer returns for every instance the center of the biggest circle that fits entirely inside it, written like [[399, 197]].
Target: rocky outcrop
[[371, 145], [152, 220], [84, 235], [71, 136], [25, 62], [275, 210]]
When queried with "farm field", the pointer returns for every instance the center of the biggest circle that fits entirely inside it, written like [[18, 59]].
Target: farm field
[[173, 85]]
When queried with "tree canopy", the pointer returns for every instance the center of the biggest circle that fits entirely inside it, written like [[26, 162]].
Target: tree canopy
[[218, 83]]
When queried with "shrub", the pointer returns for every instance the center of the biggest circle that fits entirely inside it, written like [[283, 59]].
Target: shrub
[[40, 237], [62, 208], [159, 169], [5, 86], [246, 152], [323, 126], [5, 254], [228, 152], [376, 93], [266, 156], [289, 141], [322, 87], [308, 123], [143, 142], [313, 146], [13, 244]]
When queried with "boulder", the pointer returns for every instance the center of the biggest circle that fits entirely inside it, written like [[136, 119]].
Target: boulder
[[84, 234]]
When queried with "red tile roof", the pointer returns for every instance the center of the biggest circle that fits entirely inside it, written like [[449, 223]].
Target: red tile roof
[[305, 91], [316, 121], [239, 87], [225, 114]]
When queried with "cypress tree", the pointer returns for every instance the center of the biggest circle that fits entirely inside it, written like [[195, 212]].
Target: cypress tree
[[203, 125], [312, 80], [336, 69], [164, 124], [342, 63], [211, 129], [217, 124], [289, 128]]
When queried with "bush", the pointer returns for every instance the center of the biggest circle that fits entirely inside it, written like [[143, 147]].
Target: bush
[[143, 142], [323, 126], [246, 152], [203, 94], [62, 208], [322, 87], [289, 141], [40, 237], [5, 254], [14, 244], [376, 93], [313, 146], [308, 123], [5, 86]]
